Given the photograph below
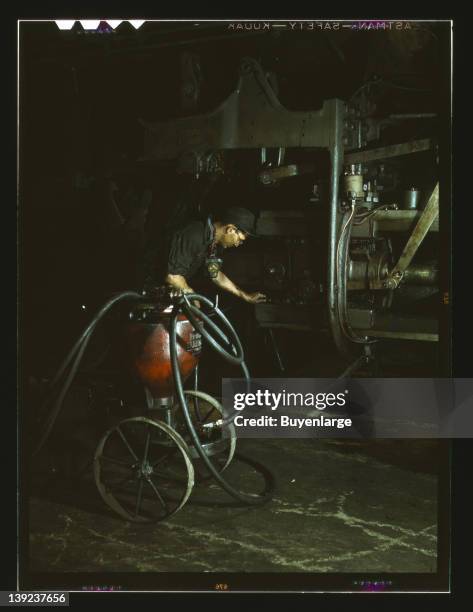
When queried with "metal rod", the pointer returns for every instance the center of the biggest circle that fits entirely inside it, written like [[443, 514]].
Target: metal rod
[[275, 348], [281, 154], [158, 494], [389, 151], [415, 239], [414, 116], [125, 441]]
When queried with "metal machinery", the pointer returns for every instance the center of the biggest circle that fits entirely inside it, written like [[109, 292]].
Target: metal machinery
[[145, 466], [382, 225], [378, 245]]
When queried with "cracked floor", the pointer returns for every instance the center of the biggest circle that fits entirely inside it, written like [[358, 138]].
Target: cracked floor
[[338, 507]]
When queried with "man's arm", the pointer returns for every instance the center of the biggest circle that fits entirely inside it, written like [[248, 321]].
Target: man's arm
[[177, 281], [224, 282]]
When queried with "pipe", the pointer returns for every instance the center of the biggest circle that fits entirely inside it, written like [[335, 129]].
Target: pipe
[[414, 116], [336, 156], [361, 273], [342, 266]]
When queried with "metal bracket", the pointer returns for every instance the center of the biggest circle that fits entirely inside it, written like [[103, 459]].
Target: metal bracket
[[251, 117], [420, 231]]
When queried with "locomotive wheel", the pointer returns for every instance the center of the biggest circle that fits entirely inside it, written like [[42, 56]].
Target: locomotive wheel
[[215, 440], [140, 480]]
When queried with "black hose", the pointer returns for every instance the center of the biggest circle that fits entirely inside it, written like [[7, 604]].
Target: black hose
[[89, 328], [242, 497], [191, 310], [216, 329], [78, 351], [196, 388], [98, 360], [51, 419]]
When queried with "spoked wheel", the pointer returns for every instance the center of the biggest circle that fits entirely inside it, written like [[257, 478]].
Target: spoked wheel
[[216, 441], [143, 470]]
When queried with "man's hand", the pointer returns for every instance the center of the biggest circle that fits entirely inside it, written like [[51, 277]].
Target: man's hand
[[224, 282], [254, 298], [175, 293], [179, 286]]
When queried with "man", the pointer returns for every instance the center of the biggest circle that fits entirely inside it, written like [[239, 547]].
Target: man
[[196, 245]]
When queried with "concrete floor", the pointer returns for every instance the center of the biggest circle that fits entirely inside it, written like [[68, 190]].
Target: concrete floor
[[339, 506]]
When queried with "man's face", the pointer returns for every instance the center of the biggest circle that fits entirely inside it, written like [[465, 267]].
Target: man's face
[[233, 237]]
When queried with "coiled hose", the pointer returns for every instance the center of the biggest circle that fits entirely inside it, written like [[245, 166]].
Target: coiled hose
[[237, 357]]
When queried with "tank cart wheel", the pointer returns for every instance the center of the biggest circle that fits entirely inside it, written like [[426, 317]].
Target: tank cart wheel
[[216, 441], [143, 470]]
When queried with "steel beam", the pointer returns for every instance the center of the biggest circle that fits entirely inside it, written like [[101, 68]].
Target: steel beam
[[358, 157], [251, 117]]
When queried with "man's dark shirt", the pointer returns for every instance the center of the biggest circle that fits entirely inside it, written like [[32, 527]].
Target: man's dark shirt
[[182, 251], [189, 248]]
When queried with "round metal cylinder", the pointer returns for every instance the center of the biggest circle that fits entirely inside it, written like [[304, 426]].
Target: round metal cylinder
[[367, 273], [357, 274], [364, 274], [411, 199], [354, 184], [421, 274]]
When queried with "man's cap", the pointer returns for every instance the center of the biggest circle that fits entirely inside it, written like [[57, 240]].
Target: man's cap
[[242, 218]]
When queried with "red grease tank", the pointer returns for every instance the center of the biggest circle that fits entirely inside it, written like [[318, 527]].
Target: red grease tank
[[148, 339]]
